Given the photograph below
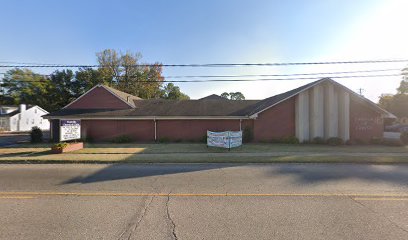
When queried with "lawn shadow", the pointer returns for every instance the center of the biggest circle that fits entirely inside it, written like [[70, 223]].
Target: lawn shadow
[[15, 154], [317, 173], [129, 171]]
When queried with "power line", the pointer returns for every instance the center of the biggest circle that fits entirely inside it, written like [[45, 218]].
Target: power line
[[282, 75], [33, 63], [259, 75], [208, 64], [250, 80]]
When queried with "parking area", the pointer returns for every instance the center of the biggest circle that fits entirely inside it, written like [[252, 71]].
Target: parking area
[[8, 138]]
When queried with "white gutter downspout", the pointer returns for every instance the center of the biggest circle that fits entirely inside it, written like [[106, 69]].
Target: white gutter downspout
[[155, 129], [240, 124]]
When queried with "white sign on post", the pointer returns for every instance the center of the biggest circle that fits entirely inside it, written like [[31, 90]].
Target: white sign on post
[[70, 130]]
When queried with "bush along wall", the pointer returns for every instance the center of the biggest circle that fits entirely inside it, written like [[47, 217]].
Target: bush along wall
[[36, 135]]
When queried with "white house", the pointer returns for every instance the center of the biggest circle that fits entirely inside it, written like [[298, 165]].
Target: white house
[[22, 118]]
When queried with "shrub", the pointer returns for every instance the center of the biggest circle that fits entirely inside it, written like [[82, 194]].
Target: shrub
[[335, 141], [393, 142], [376, 141], [286, 140], [89, 139], [203, 139], [247, 135], [404, 138], [36, 135], [60, 146], [360, 141], [318, 140], [122, 139], [164, 140], [291, 140]]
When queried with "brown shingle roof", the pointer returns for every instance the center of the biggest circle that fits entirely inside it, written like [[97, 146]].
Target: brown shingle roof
[[166, 108], [206, 107], [212, 97], [126, 97]]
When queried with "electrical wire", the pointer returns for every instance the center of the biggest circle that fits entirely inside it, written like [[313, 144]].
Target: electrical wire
[[258, 75], [246, 80], [209, 64]]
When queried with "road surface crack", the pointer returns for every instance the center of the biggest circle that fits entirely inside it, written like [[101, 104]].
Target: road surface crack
[[131, 230], [170, 219], [379, 214], [223, 183]]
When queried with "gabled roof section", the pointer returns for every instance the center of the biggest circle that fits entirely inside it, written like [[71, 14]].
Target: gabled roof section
[[156, 108], [213, 97], [274, 100], [17, 111], [211, 106], [122, 96], [362, 99], [126, 97]]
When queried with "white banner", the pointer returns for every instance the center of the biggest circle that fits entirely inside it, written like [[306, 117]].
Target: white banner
[[226, 139], [70, 130], [235, 139]]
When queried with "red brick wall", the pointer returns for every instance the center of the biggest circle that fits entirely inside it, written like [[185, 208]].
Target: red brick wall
[[365, 123], [106, 130], [194, 130], [99, 98], [276, 122], [143, 130]]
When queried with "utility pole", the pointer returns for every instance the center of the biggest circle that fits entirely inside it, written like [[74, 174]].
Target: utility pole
[[360, 91]]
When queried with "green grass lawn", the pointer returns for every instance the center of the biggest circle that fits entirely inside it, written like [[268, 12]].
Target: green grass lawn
[[196, 153]]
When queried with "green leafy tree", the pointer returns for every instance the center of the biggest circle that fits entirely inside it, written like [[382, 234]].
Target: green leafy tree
[[124, 72], [65, 89], [233, 95], [119, 70], [237, 96], [170, 91], [24, 86], [398, 103], [225, 95], [88, 78]]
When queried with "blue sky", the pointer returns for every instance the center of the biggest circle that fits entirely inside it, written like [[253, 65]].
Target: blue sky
[[71, 32]]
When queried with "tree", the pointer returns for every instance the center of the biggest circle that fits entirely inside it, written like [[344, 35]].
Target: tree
[[403, 87], [225, 95], [233, 95], [88, 78], [237, 96], [398, 103], [24, 86], [170, 91], [65, 88], [121, 71], [124, 72]]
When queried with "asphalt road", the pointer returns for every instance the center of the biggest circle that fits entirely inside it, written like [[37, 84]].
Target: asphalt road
[[213, 201]]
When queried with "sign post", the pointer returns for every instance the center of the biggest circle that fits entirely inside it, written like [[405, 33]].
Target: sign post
[[70, 130]]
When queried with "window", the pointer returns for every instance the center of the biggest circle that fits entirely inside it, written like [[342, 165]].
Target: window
[[35, 111], [32, 121]]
